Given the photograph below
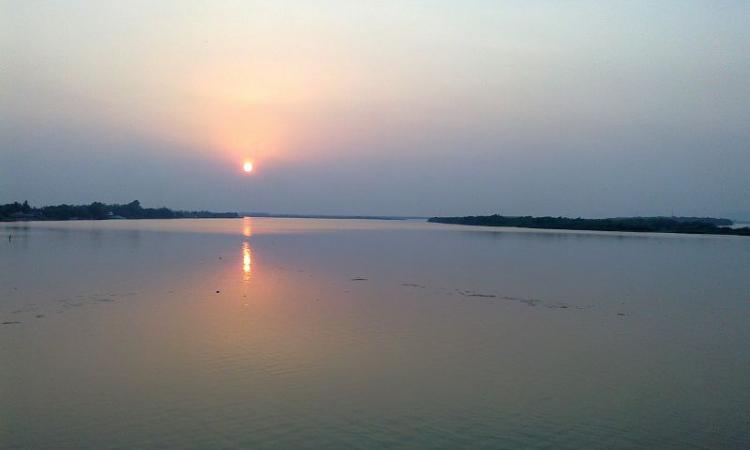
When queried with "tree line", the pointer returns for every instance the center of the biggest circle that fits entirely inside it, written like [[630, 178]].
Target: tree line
[[100, 211], [691, 225]]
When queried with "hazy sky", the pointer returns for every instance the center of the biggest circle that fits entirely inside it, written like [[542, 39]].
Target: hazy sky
[[586, 108]]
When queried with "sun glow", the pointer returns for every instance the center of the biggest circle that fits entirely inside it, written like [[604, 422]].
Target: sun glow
[[247, 167]]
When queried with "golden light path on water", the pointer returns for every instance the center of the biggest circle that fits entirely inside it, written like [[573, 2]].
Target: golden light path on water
[[247, 259], [247, 227]]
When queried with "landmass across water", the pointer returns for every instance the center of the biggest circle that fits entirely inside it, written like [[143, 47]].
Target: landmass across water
[[688, 225], [101, 211]]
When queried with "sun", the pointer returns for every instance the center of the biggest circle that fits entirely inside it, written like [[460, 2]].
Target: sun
[[247, 167]]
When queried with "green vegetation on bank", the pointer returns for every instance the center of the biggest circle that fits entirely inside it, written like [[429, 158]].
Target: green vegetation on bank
[[99, 211], [690, 225]]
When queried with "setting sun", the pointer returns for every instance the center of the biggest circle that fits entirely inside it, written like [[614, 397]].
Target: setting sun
[[247, 167]]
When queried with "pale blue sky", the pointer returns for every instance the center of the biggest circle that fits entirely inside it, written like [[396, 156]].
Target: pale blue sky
[[389, 107]]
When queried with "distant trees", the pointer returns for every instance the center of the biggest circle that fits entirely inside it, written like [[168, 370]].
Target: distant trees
[[132, 209], [15, 209], [693, 225], [94, 211], [99, 211]]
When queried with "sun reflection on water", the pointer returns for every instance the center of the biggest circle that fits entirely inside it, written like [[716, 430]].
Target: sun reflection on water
[[247, 226], [247, 259], [247, 262]]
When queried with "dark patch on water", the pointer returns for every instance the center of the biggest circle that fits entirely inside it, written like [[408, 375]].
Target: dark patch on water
[[525, 300], [466, 293]]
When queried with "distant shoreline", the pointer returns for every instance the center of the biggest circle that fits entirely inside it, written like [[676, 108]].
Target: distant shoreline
[[23, 212], [684, 225], [329, 216]]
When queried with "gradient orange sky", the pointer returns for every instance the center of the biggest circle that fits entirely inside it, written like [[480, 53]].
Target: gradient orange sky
[[418, 107]]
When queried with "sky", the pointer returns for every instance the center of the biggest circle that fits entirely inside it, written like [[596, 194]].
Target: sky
[[576, 108]]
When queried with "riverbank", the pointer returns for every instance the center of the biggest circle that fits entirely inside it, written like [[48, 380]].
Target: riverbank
[[686, 225], [15, 212]]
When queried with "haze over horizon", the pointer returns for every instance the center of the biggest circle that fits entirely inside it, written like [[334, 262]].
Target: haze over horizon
[[385, 108]]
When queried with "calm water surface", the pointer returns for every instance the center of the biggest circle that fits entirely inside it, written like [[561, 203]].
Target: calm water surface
[[296, 333]]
